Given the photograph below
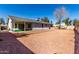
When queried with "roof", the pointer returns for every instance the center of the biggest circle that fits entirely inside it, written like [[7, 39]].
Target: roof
[[26, 20]]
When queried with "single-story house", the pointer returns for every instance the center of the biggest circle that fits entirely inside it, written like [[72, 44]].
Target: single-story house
[[26, 24]]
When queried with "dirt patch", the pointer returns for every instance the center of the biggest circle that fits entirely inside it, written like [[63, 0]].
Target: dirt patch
[[53, 41]]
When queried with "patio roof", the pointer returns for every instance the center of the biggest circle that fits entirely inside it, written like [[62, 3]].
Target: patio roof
[[26, 20]]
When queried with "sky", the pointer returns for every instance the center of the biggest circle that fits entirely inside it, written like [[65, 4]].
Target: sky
[[34, 11]]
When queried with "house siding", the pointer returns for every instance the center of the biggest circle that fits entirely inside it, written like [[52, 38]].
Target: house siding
[[38, 26]]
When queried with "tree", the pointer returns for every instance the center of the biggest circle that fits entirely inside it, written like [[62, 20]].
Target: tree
[[38, 19], [45, 19], [67, 21], [1, 22], [75, 22], [51, 23], [70, 22], [57, 22], [59, 14]]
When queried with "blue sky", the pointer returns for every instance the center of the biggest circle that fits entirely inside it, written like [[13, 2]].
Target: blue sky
[[37, 10]]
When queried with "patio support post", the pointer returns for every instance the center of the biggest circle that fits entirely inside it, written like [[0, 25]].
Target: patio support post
[[24, 26], [13, 25], [17, 25], [0, 27]]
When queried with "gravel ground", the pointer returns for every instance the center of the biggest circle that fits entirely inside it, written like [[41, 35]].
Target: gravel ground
[[53, 41]]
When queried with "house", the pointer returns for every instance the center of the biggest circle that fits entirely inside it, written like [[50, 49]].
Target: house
[[26, 24]]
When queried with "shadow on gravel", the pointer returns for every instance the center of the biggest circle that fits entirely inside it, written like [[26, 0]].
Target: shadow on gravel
[[10, 45]]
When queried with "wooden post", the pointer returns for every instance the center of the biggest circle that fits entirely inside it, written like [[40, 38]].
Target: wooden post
[[17, 25], [0, 27], [14, 25], [24, 26]]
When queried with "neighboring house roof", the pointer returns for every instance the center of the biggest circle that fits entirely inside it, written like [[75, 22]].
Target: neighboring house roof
[[26, 20]]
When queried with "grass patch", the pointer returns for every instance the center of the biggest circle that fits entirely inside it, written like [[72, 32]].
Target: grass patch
[[22, 31], [18, 30]]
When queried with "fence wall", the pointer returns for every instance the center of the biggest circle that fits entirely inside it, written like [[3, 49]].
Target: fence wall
[[76, 48]]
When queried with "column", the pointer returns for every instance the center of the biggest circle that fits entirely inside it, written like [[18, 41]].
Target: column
[[24, 26]]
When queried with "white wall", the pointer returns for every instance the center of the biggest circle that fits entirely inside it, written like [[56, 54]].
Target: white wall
[[70, 27], [10, 24], [37, 28]]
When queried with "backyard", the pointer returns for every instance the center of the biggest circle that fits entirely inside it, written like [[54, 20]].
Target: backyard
[[53, 41]]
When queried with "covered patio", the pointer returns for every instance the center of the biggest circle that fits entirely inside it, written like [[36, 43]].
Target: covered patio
[[23, 26]]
